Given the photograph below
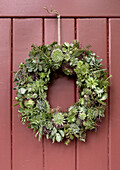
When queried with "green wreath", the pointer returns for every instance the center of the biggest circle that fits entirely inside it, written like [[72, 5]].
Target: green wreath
[[33, 77]]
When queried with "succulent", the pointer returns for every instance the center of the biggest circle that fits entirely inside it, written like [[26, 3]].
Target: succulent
[[57, 55], [92, 83], [49, 125], [67, 57], [79, 122], [22, 90], [41, 105], [58, 119], [74, 128], [89, 124], [71, 118], [67, 71], [34, 95], [99, 92], [54, 131], [82, 68], [82, 115], [29, 103]]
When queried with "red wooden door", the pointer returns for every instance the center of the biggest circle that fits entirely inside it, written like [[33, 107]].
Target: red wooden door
[[90, 22]]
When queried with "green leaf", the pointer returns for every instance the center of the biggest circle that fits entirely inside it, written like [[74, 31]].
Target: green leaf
[[67, 57], [47, 136], [36, 134], [77, 53], [62, 133], [82, 116], [101, 102], [71, 137], [21, 105], [39, 137], [58, 137], [66, 44], [16, 104], [54, 131], [82, 139], [53, 139], [67, 142], [22, 90], [104, 97], [40, 68], [29, 103], [64, 49]]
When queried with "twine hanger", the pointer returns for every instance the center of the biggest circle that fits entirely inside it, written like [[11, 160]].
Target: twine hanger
[[53, 11]]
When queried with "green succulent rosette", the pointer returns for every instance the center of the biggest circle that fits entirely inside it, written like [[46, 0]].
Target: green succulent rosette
[[32, 80]]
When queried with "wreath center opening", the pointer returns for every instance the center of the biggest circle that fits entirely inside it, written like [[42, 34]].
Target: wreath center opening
[[61, 92]]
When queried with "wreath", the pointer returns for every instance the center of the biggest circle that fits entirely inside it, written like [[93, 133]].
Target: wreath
[[32, 80]]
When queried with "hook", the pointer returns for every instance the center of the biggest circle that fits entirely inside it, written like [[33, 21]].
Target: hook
[[52, 11]]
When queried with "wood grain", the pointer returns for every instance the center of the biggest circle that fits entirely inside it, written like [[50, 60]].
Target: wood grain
[[79, 8], [27, 151], [94, 153], [5, 94], [114, 128]]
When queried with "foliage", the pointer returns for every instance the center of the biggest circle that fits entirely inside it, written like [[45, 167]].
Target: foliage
[[33, 77]]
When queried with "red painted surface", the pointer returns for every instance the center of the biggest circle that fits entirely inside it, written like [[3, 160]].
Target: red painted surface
[[27, 151], [66, 7], [94, 153], [5, 101], [24, 152], [114, 39]]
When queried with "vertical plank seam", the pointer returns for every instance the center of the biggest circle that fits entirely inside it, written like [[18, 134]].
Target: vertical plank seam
[[108, 68], [43, 145], [75, 25], [43, 141], [11, 87], [75, 36], [43, 32], [109, 41]]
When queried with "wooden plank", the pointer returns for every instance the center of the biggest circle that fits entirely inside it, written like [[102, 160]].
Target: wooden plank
[[114, 39], [5, 105], [67, 30], [78, 8], [93, 154], [27, 151], [61, 93]]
